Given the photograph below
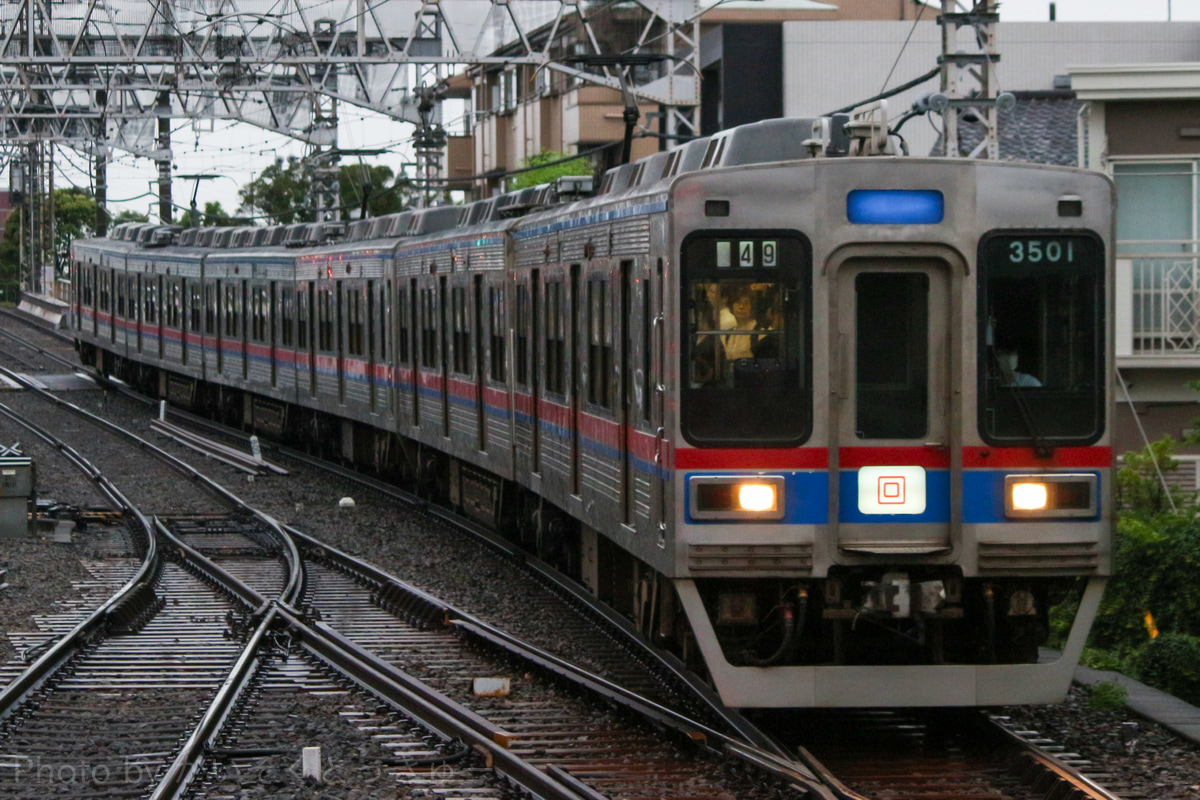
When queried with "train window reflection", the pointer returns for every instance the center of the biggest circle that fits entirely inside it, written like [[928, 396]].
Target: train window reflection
[[746, 348]]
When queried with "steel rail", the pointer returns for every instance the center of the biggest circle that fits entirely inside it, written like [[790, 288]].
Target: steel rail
[[430, 707], [1065, 780], [190, 758], [134, 591], [295, 581], [660, 659], [424, 609]]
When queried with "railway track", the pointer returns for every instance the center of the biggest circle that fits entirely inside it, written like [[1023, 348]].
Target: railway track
[[586, 747], [703, 757], [940, 754]]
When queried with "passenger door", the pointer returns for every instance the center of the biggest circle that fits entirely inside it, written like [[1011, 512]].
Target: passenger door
[[893, 439]]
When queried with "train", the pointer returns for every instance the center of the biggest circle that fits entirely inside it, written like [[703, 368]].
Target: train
[[832, 423]]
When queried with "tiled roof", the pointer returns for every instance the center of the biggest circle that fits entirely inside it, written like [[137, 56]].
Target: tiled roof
[[1041, 128]]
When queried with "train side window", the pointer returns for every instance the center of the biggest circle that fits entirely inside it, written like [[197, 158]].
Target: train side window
[[1041, 338], [302, 317], [286, 319], [232, 312], [522, 333], [556, 338], [325, 319], [747, 334], [460, 330], [404, 324], [600, 346], [429, 332], [354, 322], [384, 308], [497, 323]]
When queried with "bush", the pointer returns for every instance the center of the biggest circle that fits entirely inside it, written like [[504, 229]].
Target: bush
[[1171, 663], [1107, 660], [1156, 563], [1106, 696]]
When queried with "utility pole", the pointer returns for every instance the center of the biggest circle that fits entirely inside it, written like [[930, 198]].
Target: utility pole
[[429, 140], [961, 69]]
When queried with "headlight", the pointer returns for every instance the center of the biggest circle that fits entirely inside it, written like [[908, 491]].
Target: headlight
[[1029, 496], [1053, 496], [735, 497], [756, 496]]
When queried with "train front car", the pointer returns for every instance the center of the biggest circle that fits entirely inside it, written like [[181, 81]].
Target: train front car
[[892, 442]]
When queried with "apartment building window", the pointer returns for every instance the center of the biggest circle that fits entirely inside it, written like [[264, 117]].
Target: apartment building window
[[1158, 228]]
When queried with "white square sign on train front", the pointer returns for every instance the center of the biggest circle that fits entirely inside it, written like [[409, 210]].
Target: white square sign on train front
[[891, 490]]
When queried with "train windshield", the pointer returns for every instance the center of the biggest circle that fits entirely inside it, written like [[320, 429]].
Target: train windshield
[[746, 340], [1041, 319]]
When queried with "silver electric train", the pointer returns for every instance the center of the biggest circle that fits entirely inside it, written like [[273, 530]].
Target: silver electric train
[[832, 424]]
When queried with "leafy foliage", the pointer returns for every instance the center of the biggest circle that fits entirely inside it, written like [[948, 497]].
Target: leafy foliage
[[1157, 559], [576, 166], [1171, 663], [283, 191], [214, 216], [1139, 487], [129, 216]]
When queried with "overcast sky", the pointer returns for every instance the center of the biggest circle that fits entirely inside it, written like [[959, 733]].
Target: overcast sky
[[237, 153]]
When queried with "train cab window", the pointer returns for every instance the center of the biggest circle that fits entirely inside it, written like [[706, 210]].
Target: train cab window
[[496, 328], [1041, 338], [747, 339]]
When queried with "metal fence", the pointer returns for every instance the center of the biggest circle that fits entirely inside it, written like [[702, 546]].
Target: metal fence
[[1165, 299]]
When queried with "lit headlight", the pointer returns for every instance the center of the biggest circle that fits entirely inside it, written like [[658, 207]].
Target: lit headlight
[[756, 497], [735, 497], [1050, 496], [1029, 496]]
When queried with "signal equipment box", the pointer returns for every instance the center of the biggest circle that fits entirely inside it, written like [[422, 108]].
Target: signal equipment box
[[17, 494]]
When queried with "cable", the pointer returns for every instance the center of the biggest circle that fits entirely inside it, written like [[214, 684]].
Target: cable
[[903, 47], [890, 92]]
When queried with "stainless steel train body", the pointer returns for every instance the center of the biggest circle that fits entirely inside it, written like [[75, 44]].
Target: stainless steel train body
[[837, 430]]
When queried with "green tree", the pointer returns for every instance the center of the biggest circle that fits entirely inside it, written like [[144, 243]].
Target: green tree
[[554, 171], [386, 193], [281, 192], [74, 218], [213, 216], [10, 257], [129, 216], [1141, 484]]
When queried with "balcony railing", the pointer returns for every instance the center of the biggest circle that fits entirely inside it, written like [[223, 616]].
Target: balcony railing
[[1158, 297]]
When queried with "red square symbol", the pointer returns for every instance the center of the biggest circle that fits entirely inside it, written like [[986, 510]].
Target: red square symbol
[[891, 490]]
